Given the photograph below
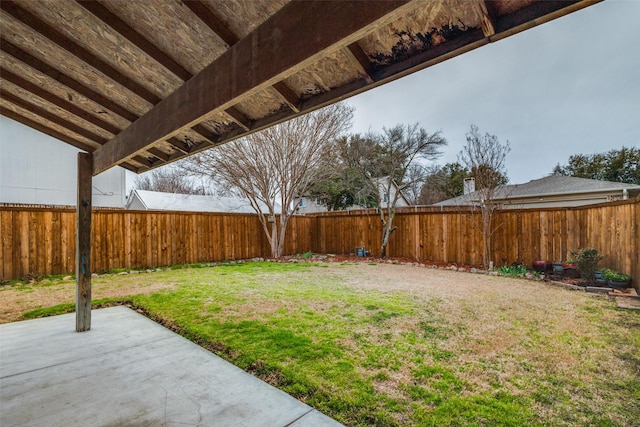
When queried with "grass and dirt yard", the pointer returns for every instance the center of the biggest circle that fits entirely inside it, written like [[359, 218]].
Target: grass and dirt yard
[[380, 344]]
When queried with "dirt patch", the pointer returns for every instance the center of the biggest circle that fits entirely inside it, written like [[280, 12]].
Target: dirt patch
[[22, 298], [496, 313]]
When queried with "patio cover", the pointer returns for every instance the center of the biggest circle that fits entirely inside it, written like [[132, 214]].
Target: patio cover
[[143, 83]]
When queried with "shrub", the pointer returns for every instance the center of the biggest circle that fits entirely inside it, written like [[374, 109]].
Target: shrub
[[614, 275], [586, 260]]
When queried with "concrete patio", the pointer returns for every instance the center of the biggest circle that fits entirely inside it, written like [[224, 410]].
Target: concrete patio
[[129, 371]]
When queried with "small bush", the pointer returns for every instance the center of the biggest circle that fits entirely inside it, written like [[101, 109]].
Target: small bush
[[512, 270], [586, 260]]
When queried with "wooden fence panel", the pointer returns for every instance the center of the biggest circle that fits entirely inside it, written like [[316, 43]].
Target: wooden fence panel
[[9, 243], [42, 241]]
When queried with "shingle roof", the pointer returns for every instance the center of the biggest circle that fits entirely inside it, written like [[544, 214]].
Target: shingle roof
[[546, 186], [155, 200]]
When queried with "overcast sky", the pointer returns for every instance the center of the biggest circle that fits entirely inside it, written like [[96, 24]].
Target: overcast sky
[[565, 87]]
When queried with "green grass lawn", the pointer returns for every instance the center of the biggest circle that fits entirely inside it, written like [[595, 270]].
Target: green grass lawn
[[395, 345]]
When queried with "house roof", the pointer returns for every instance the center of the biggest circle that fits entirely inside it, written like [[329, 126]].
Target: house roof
[[155, 200], [144, 83], [547, 186], [384, 181]]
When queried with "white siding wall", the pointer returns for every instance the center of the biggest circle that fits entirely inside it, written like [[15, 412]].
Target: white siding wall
[[38, 169]]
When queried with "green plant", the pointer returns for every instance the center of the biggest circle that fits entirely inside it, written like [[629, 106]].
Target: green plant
[[306, 255], [615, 276], [586, 260], [512, 270], [419, 354]]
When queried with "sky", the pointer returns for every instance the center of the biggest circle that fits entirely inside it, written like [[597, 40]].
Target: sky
[[569, 86]]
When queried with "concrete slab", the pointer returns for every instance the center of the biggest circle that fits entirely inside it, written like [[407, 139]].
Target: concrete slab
[[128, 370]]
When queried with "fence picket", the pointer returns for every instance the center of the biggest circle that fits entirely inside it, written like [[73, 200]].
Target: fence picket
[[41, 241]]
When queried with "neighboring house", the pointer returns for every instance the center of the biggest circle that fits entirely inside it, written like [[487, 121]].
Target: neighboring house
[[157, 201], [387, 188], [36, 169], [553, 191], [306, 205]]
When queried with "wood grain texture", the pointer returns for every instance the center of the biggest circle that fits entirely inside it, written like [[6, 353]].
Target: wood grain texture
[[83, 243], [220, 86], [41, 241]]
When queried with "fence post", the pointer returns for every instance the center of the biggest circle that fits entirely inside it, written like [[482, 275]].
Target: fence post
[[83, 243]]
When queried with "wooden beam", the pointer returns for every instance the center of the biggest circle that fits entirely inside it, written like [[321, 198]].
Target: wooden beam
[[488, 18], [535, 14], [288, 96], [212, 21], [237, 116], [469, 40], [532, 15], [49, 116], [41, 27], [60, 102], [254, 63], [44, 129], [130, 167], [67, 81], [179, 145], [143, 161], [44, 68], [83, 243], [159, 154], [205, 133], [360, 60], [111, 19]]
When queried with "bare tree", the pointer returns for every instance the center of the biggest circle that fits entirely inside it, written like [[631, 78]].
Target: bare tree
[[169, 179], [415, 180], [399, 154], [484, 156], [273, 167]]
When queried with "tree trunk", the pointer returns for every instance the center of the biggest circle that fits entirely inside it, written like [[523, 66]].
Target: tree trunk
[[274, 240], [282, 234], [486, 237], [387, 229]]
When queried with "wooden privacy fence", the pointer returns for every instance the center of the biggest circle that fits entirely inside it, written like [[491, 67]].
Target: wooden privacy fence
[[520, 235], [42, 241]]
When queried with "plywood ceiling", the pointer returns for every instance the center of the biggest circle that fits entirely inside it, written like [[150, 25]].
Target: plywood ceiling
[[143, 83]]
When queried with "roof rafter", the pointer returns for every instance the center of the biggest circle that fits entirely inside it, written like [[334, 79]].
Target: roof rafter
[[360, 60], [536, 14], [109, 18], [237, 116], [159, 154], [67, 81], [44, 29], [212, 21], [7, 112], [288, 96], [78, 87], [309, 27], [49, 116], [143, 161], [44, 129], [209, 136], [179, 145], [488, 18], [56, 100]]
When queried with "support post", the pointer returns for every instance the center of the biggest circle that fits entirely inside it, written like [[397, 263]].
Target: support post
[[83, 243]]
